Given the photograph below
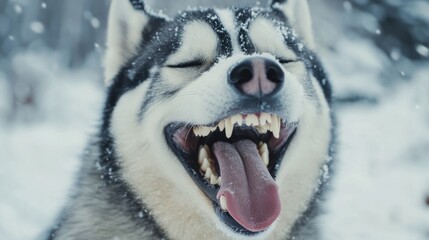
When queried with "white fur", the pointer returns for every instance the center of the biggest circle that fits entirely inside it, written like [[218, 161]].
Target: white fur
[[268, 38], [122, 44], [298, 13], [199, 42]]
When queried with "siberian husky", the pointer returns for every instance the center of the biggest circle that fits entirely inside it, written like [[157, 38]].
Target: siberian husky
[[217, 125]]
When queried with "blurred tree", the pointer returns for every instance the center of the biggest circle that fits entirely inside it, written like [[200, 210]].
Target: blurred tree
[[400, 26]]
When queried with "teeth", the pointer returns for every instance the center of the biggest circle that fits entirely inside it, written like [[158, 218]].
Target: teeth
[[221, 125], [262, 129], [223, 205], [202, 154], [264, 153], [202, 131], [219, 181], [237, 119], [265, 158], [209, 173], [213, 179], [205, 165], [275, 126], [196, 131], [252, 120], [229, 127], [264, 118], [263, 147], [266, 122]]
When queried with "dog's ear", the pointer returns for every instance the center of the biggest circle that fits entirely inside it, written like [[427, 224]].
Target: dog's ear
[[127, 21], [298, 13]]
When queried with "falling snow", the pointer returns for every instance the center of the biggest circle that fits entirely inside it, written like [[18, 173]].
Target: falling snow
[[95, 23], [380, 183], [422, 50], [37, 27], [18, 9]]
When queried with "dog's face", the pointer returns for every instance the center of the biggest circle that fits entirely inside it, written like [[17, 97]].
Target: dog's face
[[218, 122]]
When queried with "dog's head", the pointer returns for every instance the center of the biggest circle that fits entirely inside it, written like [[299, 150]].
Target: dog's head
[[219, 118]]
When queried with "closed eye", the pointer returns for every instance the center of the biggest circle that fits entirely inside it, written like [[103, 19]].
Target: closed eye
[[286, 61], [190, 64]]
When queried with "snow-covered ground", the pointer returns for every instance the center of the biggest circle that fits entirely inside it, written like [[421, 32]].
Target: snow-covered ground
[[40, 157], [381, 177]]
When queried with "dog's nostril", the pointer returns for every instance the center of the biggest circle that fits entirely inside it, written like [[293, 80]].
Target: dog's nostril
[[274, 74], [246, 74], [241, 75]]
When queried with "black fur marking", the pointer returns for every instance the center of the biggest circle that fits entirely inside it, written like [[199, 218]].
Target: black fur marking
[[321, 76], [154, 24], [224, 48], [243, 19]]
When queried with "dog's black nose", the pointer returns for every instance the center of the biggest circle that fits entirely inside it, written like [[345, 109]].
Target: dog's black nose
[[256, 76]]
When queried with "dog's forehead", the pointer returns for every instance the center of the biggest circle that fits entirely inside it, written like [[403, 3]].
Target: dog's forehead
[[233, 29]]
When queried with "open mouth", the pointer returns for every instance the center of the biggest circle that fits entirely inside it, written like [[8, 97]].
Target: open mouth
[[234, 161]]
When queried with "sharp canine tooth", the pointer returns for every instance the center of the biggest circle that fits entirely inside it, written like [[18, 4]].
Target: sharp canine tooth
[[219, 181], [275, 126], [205, 165], [222, 201], [202, 154], [229, 127], [221, 125]]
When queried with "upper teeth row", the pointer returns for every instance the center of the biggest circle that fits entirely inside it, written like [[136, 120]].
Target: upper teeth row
[[265, 122]]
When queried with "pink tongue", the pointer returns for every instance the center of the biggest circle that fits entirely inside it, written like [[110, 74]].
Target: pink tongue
[[251, 193]]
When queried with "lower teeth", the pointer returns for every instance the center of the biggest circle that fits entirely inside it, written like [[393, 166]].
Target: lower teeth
[[207, 164], [222, 201]]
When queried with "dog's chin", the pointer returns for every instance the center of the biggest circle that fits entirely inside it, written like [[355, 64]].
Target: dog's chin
[[234, 161]]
